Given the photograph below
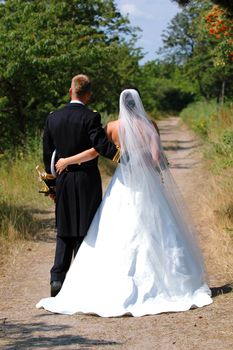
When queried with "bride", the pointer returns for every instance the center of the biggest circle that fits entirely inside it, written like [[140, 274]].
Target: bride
[[140, 256]]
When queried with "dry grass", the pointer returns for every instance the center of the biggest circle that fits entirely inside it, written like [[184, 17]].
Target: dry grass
[[221, 199], [219, 156], [19, 198], [215, 125]]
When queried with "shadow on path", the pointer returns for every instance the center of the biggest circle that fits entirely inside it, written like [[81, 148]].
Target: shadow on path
[[226, 288], [36, 335], [182, 165], [176, 145]]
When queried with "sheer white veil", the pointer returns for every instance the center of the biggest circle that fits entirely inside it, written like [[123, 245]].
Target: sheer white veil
[[145, 169], [139, 140]]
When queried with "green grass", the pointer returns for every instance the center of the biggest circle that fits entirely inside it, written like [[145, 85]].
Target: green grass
[[105, 118], [214, 124], [19, 197], [199, 115]]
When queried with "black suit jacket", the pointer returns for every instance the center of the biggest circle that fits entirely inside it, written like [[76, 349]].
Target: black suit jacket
[[70, 130], [73, 129]]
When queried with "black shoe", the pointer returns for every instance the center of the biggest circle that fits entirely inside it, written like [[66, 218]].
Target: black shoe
[[55, 288]]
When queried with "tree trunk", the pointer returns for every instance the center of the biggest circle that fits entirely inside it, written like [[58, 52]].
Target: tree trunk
[[222, 92], [202, 90]]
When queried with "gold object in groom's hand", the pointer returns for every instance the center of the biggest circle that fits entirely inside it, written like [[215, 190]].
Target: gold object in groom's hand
[[117, 156], [48, 181]]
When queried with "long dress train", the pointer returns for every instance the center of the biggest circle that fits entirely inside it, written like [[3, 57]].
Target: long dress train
[[124, 267]]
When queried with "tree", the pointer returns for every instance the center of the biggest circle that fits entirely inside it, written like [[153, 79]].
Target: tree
[[220, 27], [227, 4], [44, 43], [162, 87], [188, 43], [179, 38]]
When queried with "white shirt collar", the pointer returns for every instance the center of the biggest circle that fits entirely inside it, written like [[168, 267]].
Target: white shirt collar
[[77, 101]]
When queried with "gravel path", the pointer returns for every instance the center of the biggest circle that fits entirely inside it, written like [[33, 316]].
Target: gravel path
[[26, 280]]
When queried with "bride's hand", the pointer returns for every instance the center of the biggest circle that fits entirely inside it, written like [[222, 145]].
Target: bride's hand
[[61, 165]]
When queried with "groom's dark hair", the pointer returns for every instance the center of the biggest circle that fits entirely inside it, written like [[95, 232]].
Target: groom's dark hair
[[81, 84]]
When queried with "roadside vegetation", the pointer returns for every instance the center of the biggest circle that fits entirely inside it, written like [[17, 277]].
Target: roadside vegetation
[[214, 124], [19, 197]]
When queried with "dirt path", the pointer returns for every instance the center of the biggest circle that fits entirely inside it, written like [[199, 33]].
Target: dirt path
[[26, 280]]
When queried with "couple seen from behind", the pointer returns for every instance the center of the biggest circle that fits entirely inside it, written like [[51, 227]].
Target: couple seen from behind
[[135, 250]]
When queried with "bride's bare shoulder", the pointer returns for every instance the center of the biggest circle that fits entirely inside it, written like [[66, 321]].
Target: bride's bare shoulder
[[113, 123], [111, 130], [112, 126]]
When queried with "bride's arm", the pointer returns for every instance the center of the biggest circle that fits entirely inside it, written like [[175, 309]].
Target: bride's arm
[[155, 149], [79, 158], [155, 144], [155, 126]]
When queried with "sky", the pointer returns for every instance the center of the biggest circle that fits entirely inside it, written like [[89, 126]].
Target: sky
[[152, 16]]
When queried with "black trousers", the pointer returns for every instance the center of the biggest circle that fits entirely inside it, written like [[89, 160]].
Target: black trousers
[[66, 248], [79, 193]]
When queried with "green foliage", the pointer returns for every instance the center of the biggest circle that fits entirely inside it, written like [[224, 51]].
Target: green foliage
[[106, 117], [43, 44], [220, 27], [221, 152], [198, 115], [179, 38], [162, 88], [224, 147], [215, 125], [188, 43], [227, 4]]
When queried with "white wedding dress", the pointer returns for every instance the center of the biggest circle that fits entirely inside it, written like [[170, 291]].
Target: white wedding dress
[[139, 256]]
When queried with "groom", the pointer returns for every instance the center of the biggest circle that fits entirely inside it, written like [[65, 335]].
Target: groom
[[70, 130]]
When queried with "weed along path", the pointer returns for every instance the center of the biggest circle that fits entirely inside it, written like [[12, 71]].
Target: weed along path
[[25, 280]]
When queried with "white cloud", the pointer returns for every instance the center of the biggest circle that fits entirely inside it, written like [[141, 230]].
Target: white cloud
[[133, 11], [152, 16]]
